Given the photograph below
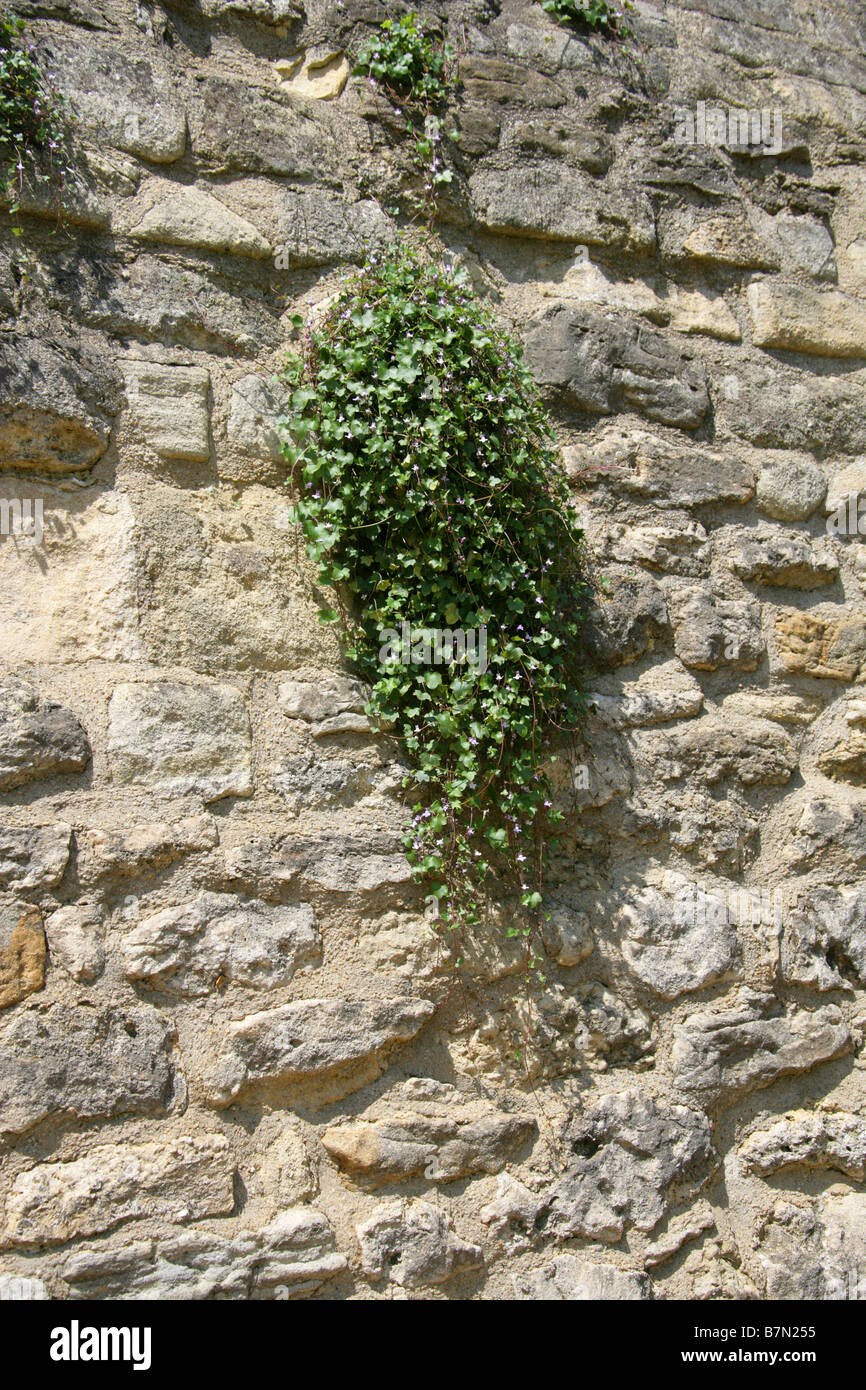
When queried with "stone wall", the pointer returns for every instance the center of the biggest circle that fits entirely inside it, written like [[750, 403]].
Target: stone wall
[[233, 1059]]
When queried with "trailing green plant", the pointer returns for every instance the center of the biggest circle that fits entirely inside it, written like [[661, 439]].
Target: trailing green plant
[[429, 489], [409, 61], [604, 16], [32, 123]]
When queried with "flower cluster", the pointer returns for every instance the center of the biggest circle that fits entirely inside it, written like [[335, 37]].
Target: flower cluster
[[31, 126], [429, 490]]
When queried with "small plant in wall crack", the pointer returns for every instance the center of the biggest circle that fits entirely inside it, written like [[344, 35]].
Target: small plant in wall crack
[[603, 16], [429, 490], [32, 118], [408, 61]]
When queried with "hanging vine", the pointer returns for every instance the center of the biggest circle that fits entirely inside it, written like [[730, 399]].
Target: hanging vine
[[429, 491]]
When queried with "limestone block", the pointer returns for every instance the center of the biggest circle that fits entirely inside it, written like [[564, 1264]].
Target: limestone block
[[414, 1244], [311, 1038], [93, 1063], [180, 1179], [170, 406], [826, 322], [320, 73], [180, 739], [38, 738], [184, 215], [218, 937], [22, 951]]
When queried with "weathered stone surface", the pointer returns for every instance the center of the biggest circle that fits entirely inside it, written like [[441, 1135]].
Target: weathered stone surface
[[180, 739], [713, 748], [712, 631], [826, 833], [316, 696], [121, 98], [320, 73], [22, 951], [826, 322], [339, 863], [824, 940], [844, 758], [722, 240], [564, 139], [272, 12], [183, 215], [173, 1180], [33, 856], [641, 466], [680, 1230], [169, 405], [770, 556], [598, 781], [74, 597], [608, 365], [108, 853], [749, 1042], [851, 478], [552, 48], [91, 1063], [90, 183], [779, 705], [313, 227], [703, 463], [570, 1279], [309, 1038], [497, 81], [256, 405], [566, 932], [54, 404], [790, 489], [774, 406], [816, 1139], [828, 647], [590, 1026], [237, 126], [719, 834], [309, 782], [815, 1250], [38, 739], [415, 1245], [677, 943], [290, 1257], [663, 692], [632, 1155], [562, 203], [630, 617], [675, 545], [75, 941], [424, 1127], [218, 937], [808, 244], [156, 301], [513, 1213]]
